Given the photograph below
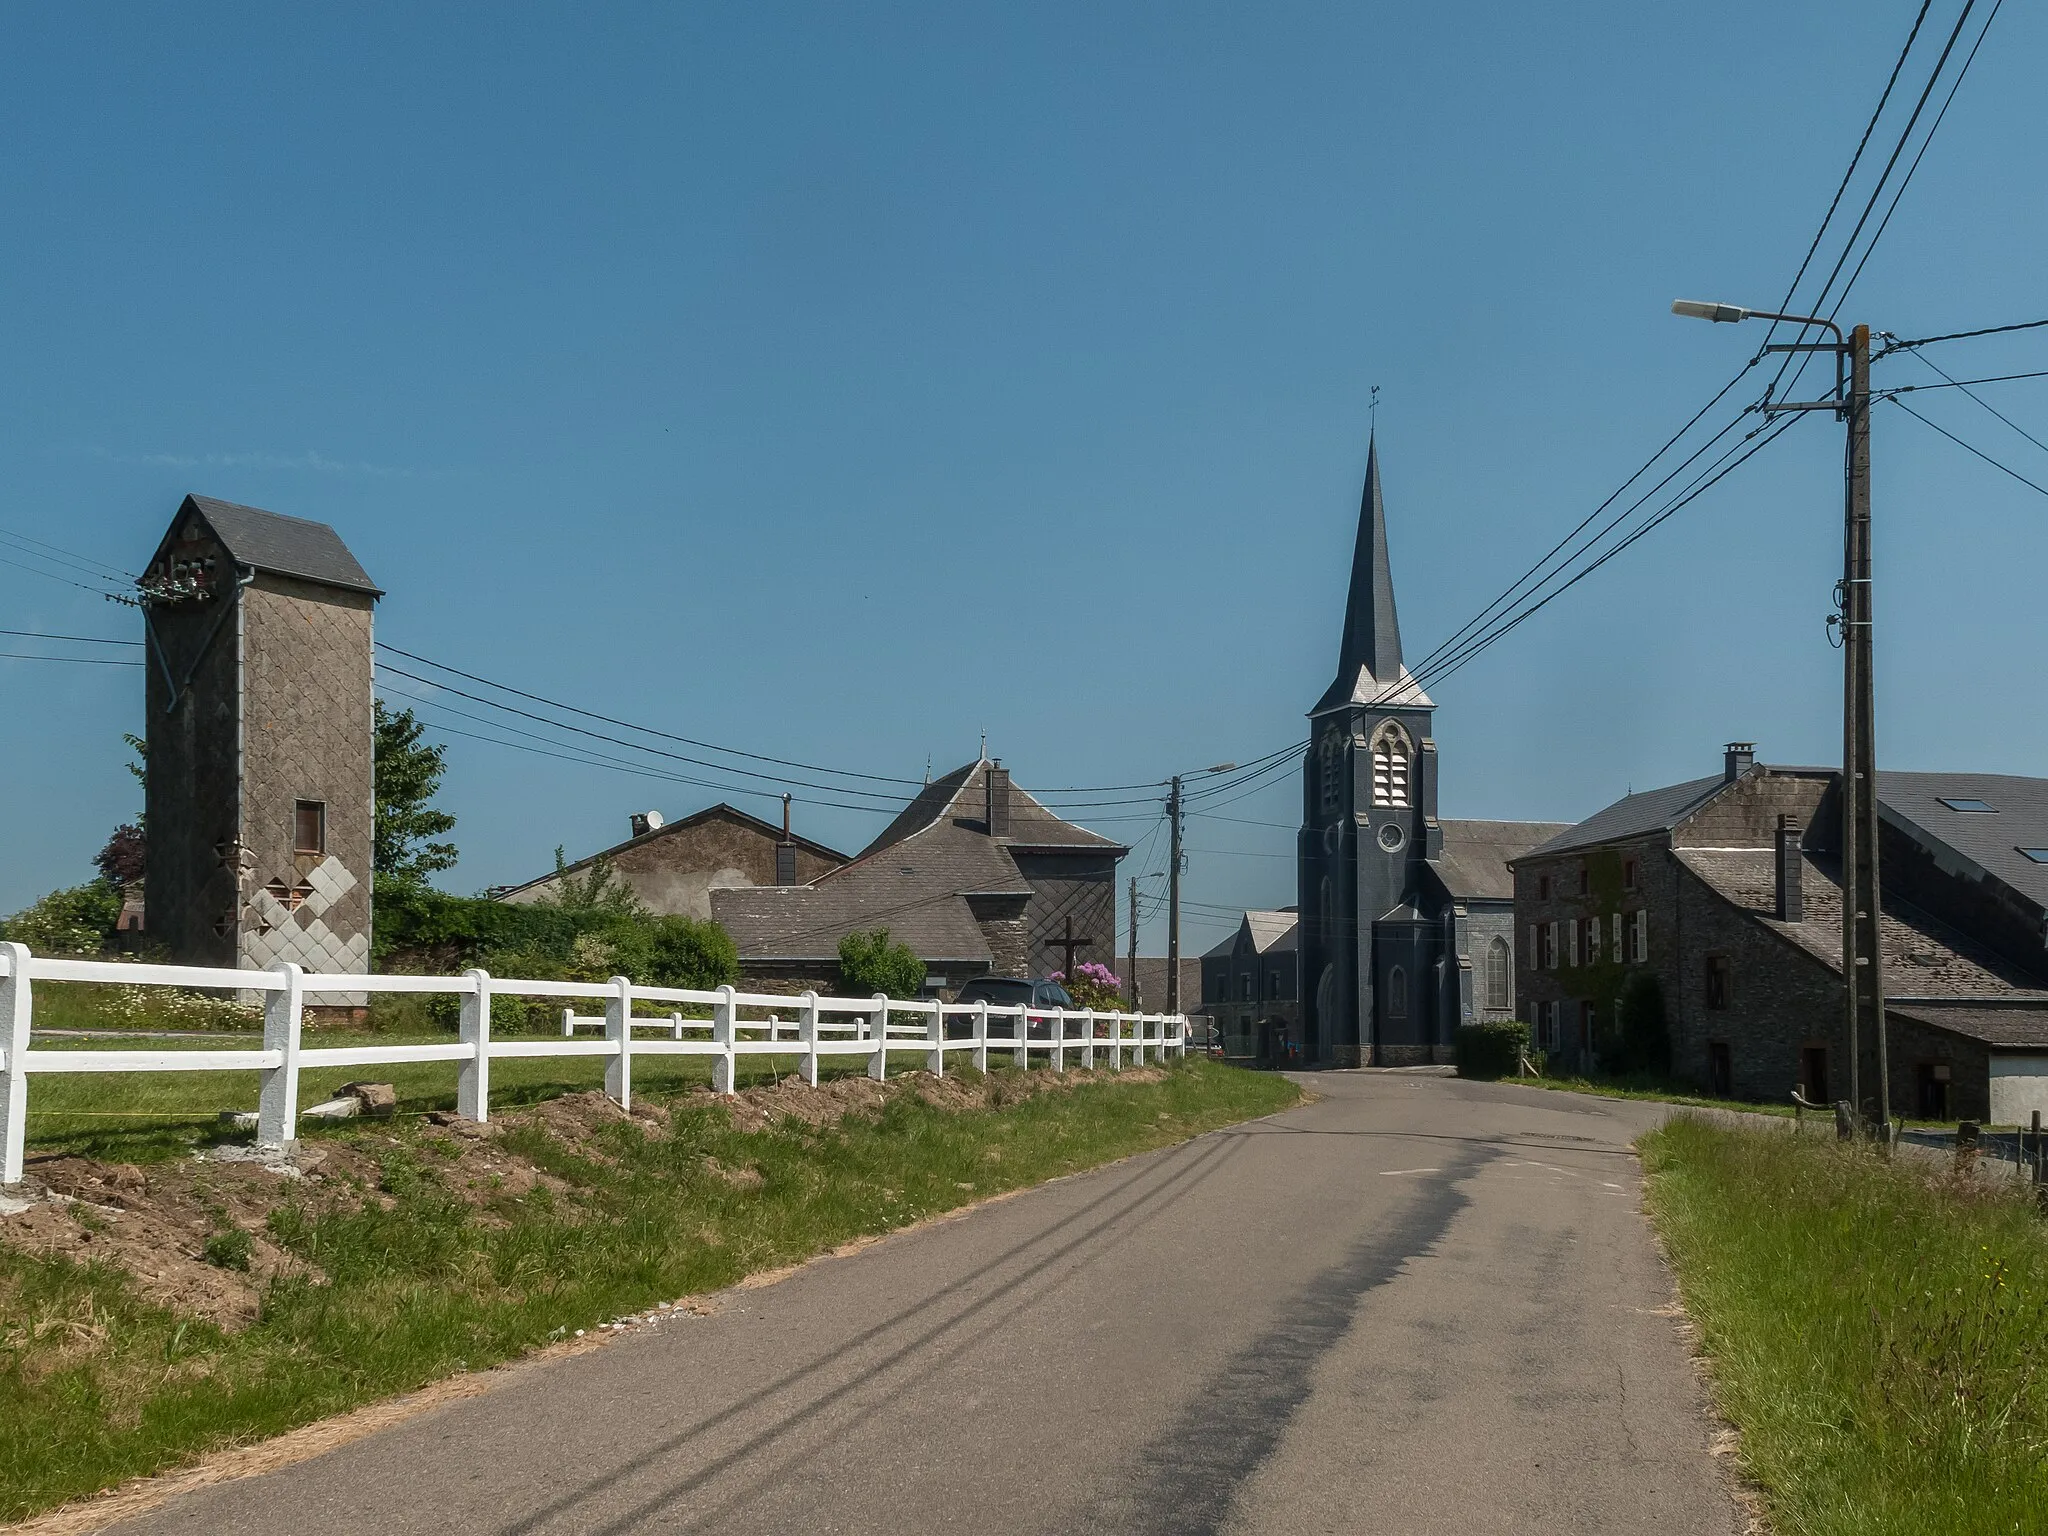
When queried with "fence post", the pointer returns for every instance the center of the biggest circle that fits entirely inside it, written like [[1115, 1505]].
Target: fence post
[[724, 1017], [807, 1036], [277, 1103], [16, 1003], [1023, 1036], [1056, 1031], [1116, 1042], [568, 1023], [473, 1080], [981, 1036], [618, 1028], [1088, 1040], [935, 1058], [878, 1063]]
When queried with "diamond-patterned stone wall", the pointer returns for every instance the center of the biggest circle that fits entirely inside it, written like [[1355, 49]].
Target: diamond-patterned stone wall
[[308, 734]]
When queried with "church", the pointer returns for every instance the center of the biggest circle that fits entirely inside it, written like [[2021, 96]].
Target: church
[[1406, 921]]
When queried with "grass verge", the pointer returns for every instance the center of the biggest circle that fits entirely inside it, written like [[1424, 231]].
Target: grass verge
[[417, 1249], [1874, 1332], [1654, 1089]]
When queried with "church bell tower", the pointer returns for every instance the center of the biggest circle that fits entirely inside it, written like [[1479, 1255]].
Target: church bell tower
[[1368, 824]]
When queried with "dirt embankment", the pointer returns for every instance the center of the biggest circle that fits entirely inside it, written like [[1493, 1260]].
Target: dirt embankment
[[194, 1233]]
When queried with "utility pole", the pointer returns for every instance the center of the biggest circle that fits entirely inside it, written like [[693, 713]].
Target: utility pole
[[1131, 959], [1862, 908], [1862, 951], [1173, 902]]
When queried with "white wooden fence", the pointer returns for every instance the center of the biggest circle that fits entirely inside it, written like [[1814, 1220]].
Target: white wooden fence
[[741, 1024]]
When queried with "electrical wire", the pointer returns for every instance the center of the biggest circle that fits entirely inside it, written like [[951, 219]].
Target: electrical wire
[[1989, 330], [647, 730], [1967, 448], [81, 661], [99, 591], [1964, 386], [1996, 378], [99, 570], [37, 634]]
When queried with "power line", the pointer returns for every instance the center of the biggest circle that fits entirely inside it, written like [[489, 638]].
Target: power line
[[1996, 378], [1989, 330], [1967, 448], [97, 569], [1964, 386], [80, 661], [37, 634], [688, 741], [99, 591]]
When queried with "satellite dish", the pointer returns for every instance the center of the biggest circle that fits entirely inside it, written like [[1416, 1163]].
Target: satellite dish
[[654, 821]]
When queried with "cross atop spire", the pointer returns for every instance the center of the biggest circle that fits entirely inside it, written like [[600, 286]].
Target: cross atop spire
[[1369, 666]]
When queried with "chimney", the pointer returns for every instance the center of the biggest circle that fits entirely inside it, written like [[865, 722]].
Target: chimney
[[785, 851], [1737, 758], [1791, 872], [996, 785]]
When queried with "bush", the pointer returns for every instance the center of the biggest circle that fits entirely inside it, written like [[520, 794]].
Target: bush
[[873, 962], [78, 921], [1093, 986], [683, 952], [1490, 1050]]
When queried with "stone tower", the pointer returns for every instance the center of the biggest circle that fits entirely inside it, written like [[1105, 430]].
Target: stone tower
[[1369, 942], [260, 738]]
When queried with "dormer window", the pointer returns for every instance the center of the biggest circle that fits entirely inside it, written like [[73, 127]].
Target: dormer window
[[1390, 766]]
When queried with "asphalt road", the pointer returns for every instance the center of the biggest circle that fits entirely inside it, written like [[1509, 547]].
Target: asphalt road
[[1415, 1305]]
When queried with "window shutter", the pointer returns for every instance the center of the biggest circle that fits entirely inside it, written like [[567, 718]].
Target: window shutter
[[1617, 939], [1592, 941], [1571, 942]]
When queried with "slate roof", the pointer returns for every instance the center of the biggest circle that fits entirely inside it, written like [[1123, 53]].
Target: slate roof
[[1273, 932], [914, 879], [1369, 669], [960, 797], [1989, 839], [284, 546], [1933, 972], [1474, 863], [1653, 810]]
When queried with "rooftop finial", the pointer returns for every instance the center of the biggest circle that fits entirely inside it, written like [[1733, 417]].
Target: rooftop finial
[[1373, 412]]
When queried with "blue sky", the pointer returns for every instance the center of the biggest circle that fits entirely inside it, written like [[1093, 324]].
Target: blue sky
[[838, 383]]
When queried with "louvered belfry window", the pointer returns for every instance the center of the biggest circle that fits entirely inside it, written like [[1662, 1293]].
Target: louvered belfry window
[[1390, 766]]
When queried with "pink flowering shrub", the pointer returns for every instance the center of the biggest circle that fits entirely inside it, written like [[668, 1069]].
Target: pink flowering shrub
[[1094, 986]]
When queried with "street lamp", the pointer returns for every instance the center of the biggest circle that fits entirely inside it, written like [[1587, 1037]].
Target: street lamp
[[1862, 947]]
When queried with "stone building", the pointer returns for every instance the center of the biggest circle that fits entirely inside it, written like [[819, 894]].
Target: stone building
[[672, 866], [1403, 917], [1726, 890], [974, 875], [1250, 987], [261, 737]]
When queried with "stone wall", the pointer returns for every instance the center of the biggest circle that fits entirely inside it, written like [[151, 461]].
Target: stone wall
[[674, 869]]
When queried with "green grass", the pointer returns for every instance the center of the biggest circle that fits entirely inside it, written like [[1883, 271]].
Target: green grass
[[97, 1386], [1878, 1335], [1660, 1090]]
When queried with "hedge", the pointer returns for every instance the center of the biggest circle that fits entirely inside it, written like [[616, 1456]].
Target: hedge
[[1493, 1049]]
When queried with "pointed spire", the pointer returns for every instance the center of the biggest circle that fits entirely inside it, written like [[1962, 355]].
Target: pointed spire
[[1369, 661]]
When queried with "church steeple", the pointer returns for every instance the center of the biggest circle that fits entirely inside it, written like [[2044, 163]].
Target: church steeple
[[1369, 663]]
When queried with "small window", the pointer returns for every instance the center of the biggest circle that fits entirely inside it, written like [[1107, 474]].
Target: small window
[[1965, 805], [1272, 984], [2038, 855], [1720, 974], [309, 828], [1543, 887], [1244, 987], [1397, 993], [1628, 874], [1498, 975], [1585, 881]]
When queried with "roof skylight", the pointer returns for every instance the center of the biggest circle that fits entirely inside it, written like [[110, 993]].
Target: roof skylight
[[2038, 855], [1965, 805]]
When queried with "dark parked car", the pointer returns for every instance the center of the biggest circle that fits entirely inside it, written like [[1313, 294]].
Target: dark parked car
[[1008, 992]]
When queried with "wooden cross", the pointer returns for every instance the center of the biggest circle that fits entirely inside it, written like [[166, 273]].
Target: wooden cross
[[1069, 944]]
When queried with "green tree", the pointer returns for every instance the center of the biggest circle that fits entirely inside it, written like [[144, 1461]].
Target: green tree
[[78, 921], [600, 889], [873, 962], [408, 775]]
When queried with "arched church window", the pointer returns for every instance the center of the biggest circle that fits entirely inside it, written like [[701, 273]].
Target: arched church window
[[1330, 771], [1397, 993], [1498, 971], [1390, 765]]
